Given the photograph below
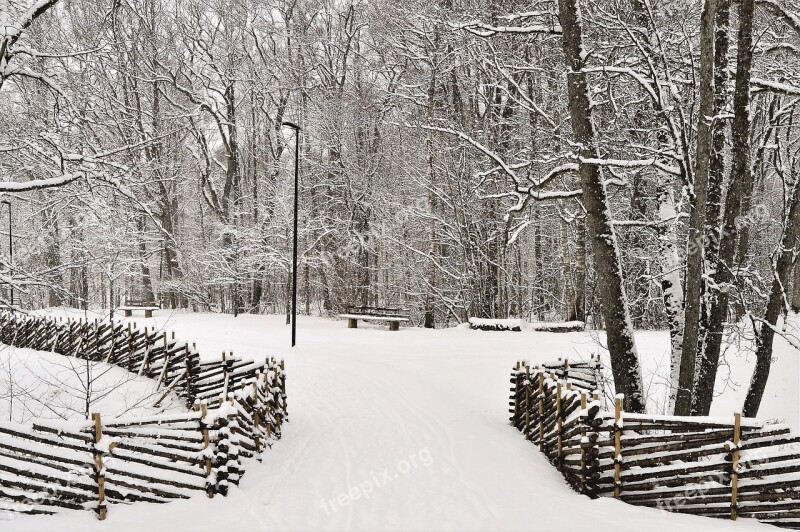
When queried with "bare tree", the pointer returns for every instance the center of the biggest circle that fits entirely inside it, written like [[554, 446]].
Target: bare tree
[[695, 258], [796, 291], [621, 345]]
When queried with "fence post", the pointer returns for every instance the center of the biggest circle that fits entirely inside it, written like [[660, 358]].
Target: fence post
[[737, 435], [98, 463], [113, 339], [224, 376], [203, 409], [96, 339], [148, 346], [188, 361], [68, 349], [257, 415], [617, 444], [558, 425], [165, 364], [527, 401], [513, 400], [226, 448], [515, 416], [285, 407], [583, 449], [130, 348], [541, 410], [267, 406]]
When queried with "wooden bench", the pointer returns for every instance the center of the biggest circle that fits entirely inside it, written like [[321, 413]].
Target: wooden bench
[[133, 304], [393, 315]]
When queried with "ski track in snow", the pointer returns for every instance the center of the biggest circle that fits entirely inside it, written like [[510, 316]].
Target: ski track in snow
[[363, 401]]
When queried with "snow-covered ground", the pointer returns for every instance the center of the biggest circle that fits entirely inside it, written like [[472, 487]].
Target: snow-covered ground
[[407, 430], [41, 385], [781, 401]]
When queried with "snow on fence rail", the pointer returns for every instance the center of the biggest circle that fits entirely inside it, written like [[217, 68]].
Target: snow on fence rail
[[235, 410], [713, 466]]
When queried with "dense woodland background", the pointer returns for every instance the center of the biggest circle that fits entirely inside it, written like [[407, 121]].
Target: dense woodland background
[[547, 160]]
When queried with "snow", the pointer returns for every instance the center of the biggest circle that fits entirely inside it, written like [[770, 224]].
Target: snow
[[59, 384], [518, 325], [497, 324], [395, 430]]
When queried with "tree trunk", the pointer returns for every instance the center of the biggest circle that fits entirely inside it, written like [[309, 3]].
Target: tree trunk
[[580, 272], [52, 255], [147, 284], [569, 283], [327, 300], [429, 317], [539, 279], [169, 208], [694, 266], [743, 246], [288, 296], [796, 293], [716, 166], [775, 306], [619, 331], [724, 274], [671, 284]]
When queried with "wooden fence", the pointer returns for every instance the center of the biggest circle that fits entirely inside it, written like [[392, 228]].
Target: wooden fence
[[713, 466], [235, 410]]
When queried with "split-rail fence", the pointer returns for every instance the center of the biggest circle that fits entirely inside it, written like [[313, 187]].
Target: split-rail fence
[[725, 467], [235, 409]]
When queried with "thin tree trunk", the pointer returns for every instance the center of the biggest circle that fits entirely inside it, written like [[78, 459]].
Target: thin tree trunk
[[694, 266], [619, 331], [566, 263], [147, 284], [429, 317], [796, 293], [538, 298], [724, 275], [111, 303], [671, 284], [743, 246], [288, 296], [580, 272], [52, 255], [778, 294]]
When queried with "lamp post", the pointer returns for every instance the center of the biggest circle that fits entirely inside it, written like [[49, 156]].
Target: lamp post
[[296, 129], [10, 252]]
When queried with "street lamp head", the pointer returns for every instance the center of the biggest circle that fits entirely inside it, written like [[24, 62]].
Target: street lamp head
[[291, 125], [6, 201]]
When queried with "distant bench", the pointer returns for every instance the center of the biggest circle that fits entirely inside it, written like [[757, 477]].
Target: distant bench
[[134, 304], [393, 315]]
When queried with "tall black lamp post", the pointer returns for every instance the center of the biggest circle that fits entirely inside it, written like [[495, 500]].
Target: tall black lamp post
[[10, 251], [296, 129]]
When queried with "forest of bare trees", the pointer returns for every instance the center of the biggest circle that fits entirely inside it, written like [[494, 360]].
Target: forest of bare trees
[[628, 164]]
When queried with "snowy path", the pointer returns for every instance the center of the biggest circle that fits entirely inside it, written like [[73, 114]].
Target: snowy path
[[404, 430]]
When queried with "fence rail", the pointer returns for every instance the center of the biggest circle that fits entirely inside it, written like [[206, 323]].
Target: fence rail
[[235, 409], [713, 466]]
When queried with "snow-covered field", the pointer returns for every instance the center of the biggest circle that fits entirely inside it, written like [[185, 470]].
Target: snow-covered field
[[408, 430], [40, 385]]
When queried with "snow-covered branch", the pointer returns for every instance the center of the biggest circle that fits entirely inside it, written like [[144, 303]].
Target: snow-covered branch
[[481, 29], [774, 86], [781, 12], [38, 184]]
